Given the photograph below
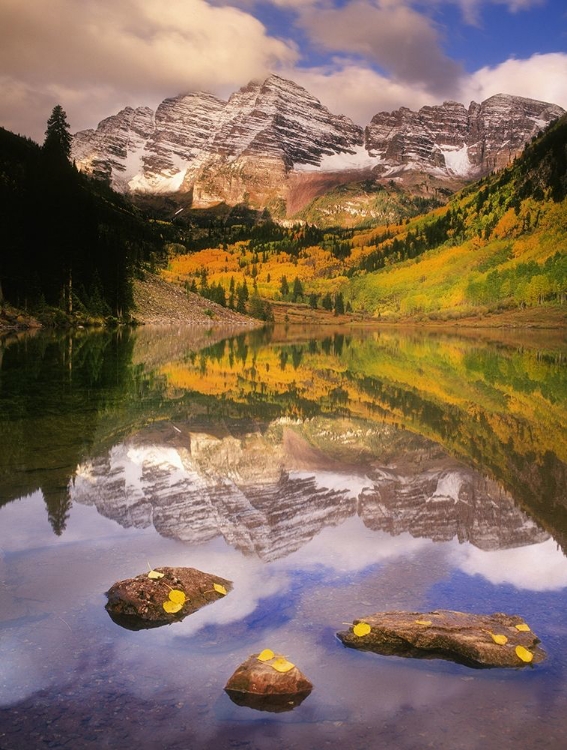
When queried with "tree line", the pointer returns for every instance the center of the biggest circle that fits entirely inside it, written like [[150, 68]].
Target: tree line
[[70, 244]]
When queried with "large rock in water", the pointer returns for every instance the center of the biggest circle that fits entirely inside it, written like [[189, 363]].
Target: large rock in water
[[138, 603], [268, 682], [496, 640]]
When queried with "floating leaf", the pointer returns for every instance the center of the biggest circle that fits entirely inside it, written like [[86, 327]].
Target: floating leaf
[[177, 596], [423, 622], [172, 607], [220, 589], [523, 628], [266, 655], [524, 654], [363, 628], [499, 638], [155, 574], [281, 664]]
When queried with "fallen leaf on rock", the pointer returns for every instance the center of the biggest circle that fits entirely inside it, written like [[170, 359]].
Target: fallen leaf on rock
[[172, 607], [363, 628], [281, 664], [524, 654], [423, 622], [177, 596], [220, 589], [266, 655], [155, 574], [523, 628], [499, 639]]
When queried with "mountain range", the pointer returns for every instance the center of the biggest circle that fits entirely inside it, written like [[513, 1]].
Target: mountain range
[[274, 145]]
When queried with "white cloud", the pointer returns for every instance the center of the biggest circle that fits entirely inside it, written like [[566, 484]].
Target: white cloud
[[538, 77], [539, 567], [358, 91], [135, 52]]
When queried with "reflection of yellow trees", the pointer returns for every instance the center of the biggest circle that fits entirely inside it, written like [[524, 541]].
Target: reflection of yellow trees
[[430, 385]]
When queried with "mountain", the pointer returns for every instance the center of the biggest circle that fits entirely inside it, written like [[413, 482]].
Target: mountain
[[272, 144], [217, 151], [450, 140]]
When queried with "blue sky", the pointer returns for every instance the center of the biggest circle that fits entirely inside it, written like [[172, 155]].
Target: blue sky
[[358, 57]]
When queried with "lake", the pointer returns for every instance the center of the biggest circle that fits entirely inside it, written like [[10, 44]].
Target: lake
[[329, 474]]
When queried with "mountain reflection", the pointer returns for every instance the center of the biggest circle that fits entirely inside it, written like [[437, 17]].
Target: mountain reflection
[[267, 438], [268, 494]]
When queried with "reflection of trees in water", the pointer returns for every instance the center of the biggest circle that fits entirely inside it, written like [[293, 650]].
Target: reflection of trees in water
[[62, 398], [52, 391]]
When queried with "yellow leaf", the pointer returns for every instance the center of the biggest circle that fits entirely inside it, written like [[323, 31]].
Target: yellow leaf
[[281, 664], [524, 654], [499, 639], [363, 628], [523, 628], [220, 589], [177, 596], [154, 575], [266, 655], [423, 622], [172, 607]]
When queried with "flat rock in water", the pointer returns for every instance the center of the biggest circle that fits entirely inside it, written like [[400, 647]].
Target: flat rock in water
[[138, 603], [258, 684], [496, 640]]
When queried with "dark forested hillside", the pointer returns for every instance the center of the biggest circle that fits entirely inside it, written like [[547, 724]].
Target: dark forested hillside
[[68, 242]]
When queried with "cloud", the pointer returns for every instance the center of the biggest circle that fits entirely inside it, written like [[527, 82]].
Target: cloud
[[539, 567], [402, 42], [538, 77], [135, 51], [358, 91]]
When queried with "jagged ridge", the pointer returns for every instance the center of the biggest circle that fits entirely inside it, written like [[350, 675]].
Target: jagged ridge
[[247, 150]]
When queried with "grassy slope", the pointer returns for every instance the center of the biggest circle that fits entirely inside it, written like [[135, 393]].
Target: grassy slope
[[505, 246]]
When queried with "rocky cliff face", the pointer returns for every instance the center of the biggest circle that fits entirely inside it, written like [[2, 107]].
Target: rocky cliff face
[[235, 151], [271, 138], [452, 140]]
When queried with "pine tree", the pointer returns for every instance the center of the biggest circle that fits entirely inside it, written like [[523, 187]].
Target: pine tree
[[297, 289], [58, 139]]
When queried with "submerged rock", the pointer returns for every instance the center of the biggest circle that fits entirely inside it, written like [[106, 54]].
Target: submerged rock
[[138, 603], [268, 682], [496, 640]]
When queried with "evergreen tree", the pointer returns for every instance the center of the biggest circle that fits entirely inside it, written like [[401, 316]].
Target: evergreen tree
[[327, 302], [58, 139], [284, 286], [339, 304], [297, 289]]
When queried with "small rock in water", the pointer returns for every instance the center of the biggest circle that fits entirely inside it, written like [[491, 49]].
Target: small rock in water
[[162, 596], [268, 682], [496, 640]]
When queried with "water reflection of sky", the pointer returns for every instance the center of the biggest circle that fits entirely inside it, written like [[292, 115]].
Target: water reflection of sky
[[54, 626]]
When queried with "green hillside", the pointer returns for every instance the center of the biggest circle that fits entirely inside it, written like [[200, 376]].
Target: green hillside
[[499, 244]]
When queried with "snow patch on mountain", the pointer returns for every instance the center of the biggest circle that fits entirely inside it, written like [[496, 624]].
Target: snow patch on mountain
[[457, 160], [358, 158]]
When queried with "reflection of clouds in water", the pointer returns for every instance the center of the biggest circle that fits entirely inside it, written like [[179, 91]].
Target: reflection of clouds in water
[[538, 567], [352, 547]]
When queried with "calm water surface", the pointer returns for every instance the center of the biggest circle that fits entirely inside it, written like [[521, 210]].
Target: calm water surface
[[330, 475]]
